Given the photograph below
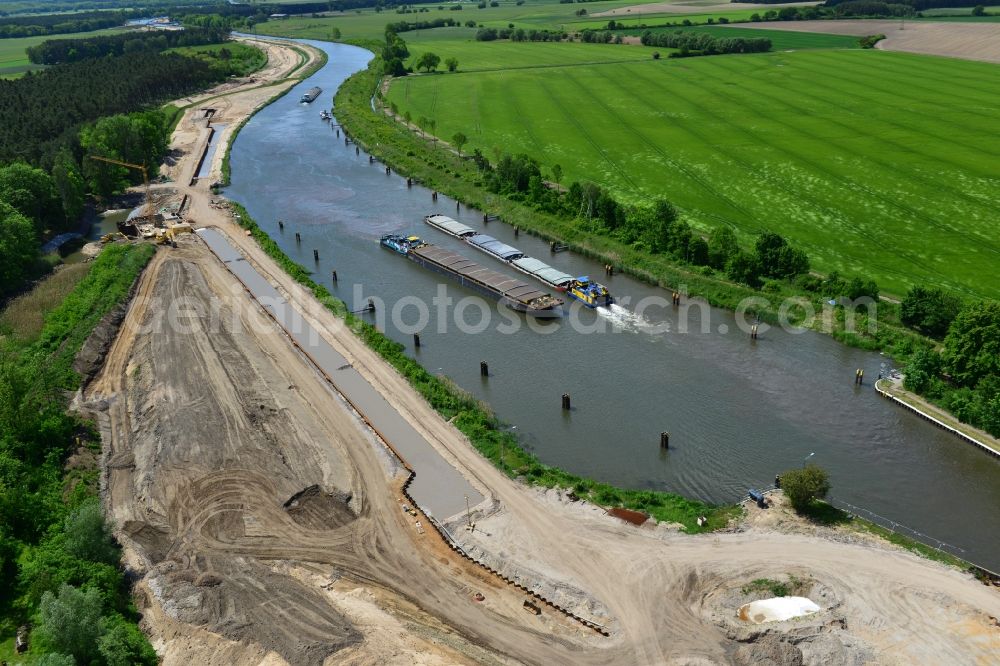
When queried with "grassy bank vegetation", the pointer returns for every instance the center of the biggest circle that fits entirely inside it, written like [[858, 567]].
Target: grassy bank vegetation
[[59, 567], [486, 433]]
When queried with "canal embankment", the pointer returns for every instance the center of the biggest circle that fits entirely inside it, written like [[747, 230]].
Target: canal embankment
[[892, 389], [769, 402]]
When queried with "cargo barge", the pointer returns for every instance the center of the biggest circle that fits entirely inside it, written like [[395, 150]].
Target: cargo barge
[[495, 248], [450, 226], [511, 292], [310, 95], [539, 270], [542, 272]]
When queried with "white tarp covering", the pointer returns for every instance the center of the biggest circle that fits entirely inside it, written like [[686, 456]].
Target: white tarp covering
[[777, 609]]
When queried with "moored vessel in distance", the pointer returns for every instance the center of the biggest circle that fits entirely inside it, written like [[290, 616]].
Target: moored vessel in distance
[[310, 95], [400, 244], [325, 115], [450, 226], [510, 291], [590, 293]]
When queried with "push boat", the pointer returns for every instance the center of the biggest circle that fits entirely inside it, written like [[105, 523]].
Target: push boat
[[400, 244], [592, 294]]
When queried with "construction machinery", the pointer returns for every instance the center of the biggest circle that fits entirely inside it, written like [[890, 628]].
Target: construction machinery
[[147, 212]]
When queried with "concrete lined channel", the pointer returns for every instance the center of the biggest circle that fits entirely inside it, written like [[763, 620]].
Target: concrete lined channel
[[437, 487], [738, 412]]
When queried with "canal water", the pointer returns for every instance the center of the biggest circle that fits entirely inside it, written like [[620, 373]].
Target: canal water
[[738, 412]]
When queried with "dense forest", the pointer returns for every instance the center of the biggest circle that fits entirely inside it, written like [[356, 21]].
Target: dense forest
[[50, 120], [58, 51], [54, 24], [42, 112]]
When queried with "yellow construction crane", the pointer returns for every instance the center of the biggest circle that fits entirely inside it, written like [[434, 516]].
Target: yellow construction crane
[[147, 212]]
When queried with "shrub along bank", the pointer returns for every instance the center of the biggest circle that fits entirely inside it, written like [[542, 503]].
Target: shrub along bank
[[59, 567], [486, 433]]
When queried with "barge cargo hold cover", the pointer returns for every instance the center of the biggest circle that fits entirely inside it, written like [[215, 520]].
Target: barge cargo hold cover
[[491, 245], [542, 271], [450, 226], [310, 95], [512, 292]]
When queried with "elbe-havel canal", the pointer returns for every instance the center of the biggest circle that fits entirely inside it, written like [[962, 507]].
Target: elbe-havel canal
[[737, 412]]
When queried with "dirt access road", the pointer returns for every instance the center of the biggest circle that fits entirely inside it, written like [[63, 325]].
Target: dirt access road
[[263, 520], [969, 41]]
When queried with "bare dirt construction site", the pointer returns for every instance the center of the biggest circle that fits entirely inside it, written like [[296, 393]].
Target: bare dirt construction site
[[969, 41], [263, 519]]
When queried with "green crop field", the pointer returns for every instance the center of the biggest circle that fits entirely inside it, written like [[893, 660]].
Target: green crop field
[[505, 55], [13, 60], [877, 163], [781, 40], [538, 14]]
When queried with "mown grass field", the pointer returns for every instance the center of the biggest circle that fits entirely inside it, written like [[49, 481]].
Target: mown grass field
[[500, 55], [880, 164], [14, 61], [538, 14]]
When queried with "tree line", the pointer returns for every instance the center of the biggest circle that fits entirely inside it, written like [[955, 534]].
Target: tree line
[[58, 51], [54, 24], [656, 228], [520, 35], [702, 43]]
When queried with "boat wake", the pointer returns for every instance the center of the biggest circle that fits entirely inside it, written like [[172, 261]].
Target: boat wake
[[624, 318]]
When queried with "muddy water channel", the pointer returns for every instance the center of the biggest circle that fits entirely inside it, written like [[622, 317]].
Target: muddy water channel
[[737, 412]]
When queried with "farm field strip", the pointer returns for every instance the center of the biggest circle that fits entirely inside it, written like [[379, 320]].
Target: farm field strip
[[728, 138], [917, 105], [792, 192], [504, 55], [812, 90], [842, 151], [650, 144], [902, 188], [825, 194]]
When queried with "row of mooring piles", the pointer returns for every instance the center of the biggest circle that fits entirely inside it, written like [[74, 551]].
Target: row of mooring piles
[[298, 240], [567, 404], [859, 377]]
